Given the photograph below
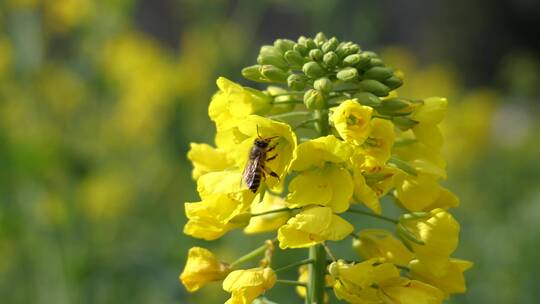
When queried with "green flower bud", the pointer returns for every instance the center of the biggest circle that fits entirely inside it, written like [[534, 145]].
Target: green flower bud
[[271, 56], [378, 73], [330, 59], [352, 60], [370, 54], [273, 73], [330, 45], [313, 69], [253, 73], [300, 48], [283, 45], [294, 58], [363, 62], [320, 38], [367, 99], [323, 84], [404, 123], [296, 82], [347, 74], [316, 54], [393, 82], [313, 99], [373, 86], [302, 39], [392, 106], [310, 44], [376, 62]]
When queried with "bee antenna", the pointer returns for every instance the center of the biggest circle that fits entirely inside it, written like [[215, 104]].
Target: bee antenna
[[259, 135]]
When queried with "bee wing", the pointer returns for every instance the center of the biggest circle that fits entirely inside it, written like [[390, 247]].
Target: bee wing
[[250, 171]]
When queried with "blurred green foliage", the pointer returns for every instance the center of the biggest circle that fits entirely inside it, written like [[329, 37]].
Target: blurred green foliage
[[99, 100]]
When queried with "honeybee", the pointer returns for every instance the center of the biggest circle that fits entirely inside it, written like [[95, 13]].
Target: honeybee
[[258, 156]]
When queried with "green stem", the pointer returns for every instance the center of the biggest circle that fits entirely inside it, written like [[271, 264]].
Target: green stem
[[382, 217], [291, 282], [321, 121], [294, 101], [273, 211], [316, 283], [250, 256], [299, 263]]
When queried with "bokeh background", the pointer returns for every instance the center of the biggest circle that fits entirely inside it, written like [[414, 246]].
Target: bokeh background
[[99, 100]]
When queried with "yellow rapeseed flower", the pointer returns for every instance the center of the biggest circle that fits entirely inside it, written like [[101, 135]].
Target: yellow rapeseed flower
[[312, 226], [322, 179], [202, 267], [352, 121], [381, 140], [246, 285]]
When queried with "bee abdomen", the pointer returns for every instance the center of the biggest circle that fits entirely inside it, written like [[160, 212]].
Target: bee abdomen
[[256, 182]]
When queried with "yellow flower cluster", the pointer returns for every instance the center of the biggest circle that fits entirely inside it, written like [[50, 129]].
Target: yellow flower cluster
[[364, 143]]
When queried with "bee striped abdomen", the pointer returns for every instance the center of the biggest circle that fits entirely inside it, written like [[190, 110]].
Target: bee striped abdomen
[[256, 182]]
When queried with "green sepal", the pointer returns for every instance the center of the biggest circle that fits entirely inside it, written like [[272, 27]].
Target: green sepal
[[367, 99], [254, 73], [378, 73]]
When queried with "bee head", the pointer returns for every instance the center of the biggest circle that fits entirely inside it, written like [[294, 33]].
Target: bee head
[[262, 142]]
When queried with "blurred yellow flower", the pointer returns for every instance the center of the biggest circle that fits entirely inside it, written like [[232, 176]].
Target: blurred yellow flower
[[202, 267], [246, 285], [312, 226], [352, 121]]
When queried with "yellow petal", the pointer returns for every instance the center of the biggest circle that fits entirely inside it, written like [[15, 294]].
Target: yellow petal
[[330, 186], [202, 267], [440, 233], [382, 138], [312, 226], [417, 192], [316, 152], [378, 243], [207, 159], [432, 111], [411, 292], [452, 282], [268, 222], [246, 285]]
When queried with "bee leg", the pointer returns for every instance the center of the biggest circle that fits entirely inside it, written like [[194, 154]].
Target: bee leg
[[271, 148], [271, 158], [272, 173]]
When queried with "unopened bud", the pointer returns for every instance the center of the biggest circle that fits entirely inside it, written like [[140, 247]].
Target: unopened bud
[[393, 82], [378, 73], [313, 70], [316, 54], [352, 60], [323, 84], [320, 38], [283, 45], [373, 62], [347, 74], [271, 56], [294, 58], [273, 73], [404, 123], [367, 99], [253, 73], [330, 45], [393, 105], [373, 86], [300, 48], [330, 59], [310, 44], [313, 99], [296, 82]]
